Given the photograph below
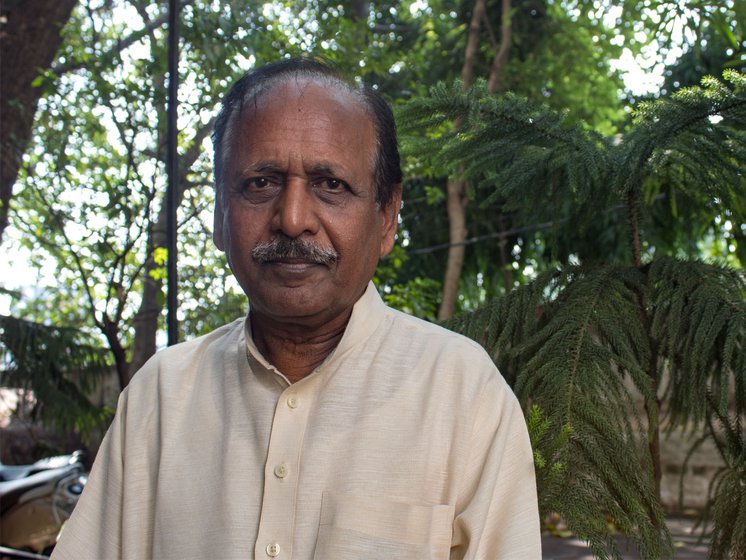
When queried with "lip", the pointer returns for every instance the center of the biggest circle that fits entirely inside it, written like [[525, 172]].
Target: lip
[[294, 265]]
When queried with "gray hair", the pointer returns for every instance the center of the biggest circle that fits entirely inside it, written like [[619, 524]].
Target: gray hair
[[387, 172]]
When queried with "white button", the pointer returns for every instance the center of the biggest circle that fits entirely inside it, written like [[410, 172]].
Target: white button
[[281, 471], [293, 401], [273, 550]]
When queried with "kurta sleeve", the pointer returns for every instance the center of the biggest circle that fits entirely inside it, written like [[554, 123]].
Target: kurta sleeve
[[93, 532], [497, 515]]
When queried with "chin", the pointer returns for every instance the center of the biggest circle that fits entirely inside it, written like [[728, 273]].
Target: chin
[[285, 306]]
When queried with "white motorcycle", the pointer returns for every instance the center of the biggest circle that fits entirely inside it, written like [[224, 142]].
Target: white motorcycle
[[35, 501]]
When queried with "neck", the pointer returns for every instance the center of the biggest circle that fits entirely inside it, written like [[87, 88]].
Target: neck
[[293, 349]]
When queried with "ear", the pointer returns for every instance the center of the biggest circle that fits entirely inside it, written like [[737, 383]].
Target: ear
[[390, 221], [217, 224]]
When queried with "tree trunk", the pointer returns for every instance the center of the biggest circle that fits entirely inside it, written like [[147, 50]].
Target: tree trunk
[[146, 318], [633, 221], [151, 305], [652, 410], [497, 70], [472, 42], [457, 198], [359, 9], [653, 403], [111, 332], [456, 202], [495, 84], [456, 194], [29, 39]]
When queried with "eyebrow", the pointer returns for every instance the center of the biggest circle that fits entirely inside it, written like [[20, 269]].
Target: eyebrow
[[269, 166], [324, 169], [263, 167]]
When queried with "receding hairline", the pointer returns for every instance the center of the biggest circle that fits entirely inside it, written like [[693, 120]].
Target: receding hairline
[[257, 83], [302, 78]]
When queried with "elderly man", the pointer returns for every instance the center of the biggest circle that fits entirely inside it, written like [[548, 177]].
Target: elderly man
[[324, 425]]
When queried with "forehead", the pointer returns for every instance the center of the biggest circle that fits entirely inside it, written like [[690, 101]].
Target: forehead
[[307, 114], [324, 94]]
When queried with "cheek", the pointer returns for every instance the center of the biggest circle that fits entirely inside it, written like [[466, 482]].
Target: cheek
[[241, 227], [369, 246]]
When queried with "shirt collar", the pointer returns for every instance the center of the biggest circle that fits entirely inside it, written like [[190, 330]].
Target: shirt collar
[[367, 314]]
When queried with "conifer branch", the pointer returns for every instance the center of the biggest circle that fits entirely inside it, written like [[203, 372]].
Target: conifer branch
[[570, 340]]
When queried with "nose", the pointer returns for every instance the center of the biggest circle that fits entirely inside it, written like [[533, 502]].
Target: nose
[[295, 213]]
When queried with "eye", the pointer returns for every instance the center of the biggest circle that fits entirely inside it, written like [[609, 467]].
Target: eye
[[259, 188], [256, 183], [331, 184], [259, 185]]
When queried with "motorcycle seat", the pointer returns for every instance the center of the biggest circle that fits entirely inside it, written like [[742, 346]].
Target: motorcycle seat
[[14, 472], [11, 491]]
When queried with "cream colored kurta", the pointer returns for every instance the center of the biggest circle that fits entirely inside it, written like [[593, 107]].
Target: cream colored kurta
[[404, 444]]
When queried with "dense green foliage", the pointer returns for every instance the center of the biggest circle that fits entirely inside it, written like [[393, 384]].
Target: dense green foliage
[[728, 491], [582, 341], [89, 200], [618, 228], [61, 366], [519, 151]]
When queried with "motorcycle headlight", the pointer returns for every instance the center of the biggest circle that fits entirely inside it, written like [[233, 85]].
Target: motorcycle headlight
[[76, 486]]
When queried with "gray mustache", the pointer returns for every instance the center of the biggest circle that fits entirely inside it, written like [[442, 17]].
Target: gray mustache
[[281, 248]]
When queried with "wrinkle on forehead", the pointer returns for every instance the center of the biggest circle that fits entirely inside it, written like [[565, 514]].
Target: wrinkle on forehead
[[242, 125], [334, 87], [338, 92]]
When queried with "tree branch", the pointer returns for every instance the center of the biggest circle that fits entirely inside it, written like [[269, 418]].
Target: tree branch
[[495, 82], [115, 49]]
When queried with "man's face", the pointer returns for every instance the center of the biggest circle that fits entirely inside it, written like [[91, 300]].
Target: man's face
[[300, 167]]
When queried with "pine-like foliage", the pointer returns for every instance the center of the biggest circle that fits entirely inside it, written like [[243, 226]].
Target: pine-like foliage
[[580, 342], [568, 342], [59, 367], [728, 490], [698, 323]]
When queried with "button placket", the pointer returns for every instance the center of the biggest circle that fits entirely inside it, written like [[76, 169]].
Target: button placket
[[275, 536]]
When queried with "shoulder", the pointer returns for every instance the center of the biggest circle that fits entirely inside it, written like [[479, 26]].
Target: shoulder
[[184, 359], [439, 356], [453, 370], [437, 339]]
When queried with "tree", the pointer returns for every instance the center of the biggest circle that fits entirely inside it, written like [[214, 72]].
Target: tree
[[530, 25], [60, 366], [29, 38], [90, 201], [560, 55], [728, 495], [569, 340], [92, 188]]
